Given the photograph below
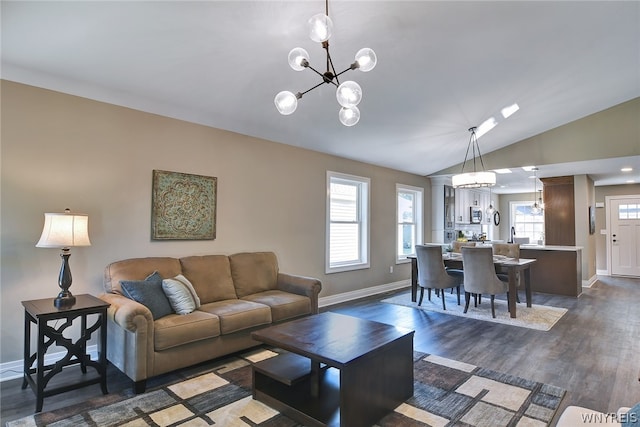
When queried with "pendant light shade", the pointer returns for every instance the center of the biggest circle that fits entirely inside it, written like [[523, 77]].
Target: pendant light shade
[[298, 58], [286, 102], [366, 59], [349, 116], [349, 94], [320, 27]]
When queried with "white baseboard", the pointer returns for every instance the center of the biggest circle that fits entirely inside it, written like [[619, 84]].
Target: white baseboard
[[602, 272], [362, 293], [14, 369], [590, 282]]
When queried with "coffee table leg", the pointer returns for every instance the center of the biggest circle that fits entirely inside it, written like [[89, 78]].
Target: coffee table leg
[[315, 378]]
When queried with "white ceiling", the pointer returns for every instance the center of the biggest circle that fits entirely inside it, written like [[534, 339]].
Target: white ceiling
[[443, 66]]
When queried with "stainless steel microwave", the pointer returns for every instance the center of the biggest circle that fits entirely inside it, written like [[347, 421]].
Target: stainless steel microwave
[[475, 215]]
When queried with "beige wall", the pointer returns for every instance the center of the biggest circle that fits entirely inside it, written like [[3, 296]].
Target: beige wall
[[62, 151]]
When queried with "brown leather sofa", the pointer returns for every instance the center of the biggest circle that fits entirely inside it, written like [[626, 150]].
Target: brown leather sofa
[[238, 294]]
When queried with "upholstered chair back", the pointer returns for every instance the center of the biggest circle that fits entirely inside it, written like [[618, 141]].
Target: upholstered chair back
[[511, 250], [479, 272], [457, 246], [431, 272]]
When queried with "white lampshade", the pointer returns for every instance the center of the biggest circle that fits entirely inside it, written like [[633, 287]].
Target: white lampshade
[[64, 230], [297, 57], [474, 180], [286, 102], [366, 59], [320, 27], [349, 116], [349, 94]]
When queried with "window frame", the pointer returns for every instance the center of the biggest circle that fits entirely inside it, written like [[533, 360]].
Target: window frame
[[418, 215], [363, 185], [512, 221]]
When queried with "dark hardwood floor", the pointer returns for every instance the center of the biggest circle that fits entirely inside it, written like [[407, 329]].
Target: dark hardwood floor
[[593, 352]]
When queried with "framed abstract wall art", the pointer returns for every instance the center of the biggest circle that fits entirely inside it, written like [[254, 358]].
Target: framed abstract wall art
[[183, 206]]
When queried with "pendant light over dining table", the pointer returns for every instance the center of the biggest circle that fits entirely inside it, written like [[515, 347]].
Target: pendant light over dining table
[[476, 178], [348, 93]]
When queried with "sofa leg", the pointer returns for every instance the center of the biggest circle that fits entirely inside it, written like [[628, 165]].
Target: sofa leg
[[139, 387]]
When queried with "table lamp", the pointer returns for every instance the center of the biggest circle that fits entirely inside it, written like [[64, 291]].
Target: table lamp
[[64, 230]]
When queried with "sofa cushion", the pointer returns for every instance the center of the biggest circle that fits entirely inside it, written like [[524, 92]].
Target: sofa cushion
[[254, 272], [210, 276], [236, 315], [138, 269], [179, 296], [148, 293], [284, 305], [174, 330]]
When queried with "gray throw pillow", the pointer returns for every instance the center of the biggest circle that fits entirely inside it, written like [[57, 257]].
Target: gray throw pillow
[[179, 296], [149, 293]]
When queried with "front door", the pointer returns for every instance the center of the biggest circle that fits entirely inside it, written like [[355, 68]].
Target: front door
[[624, 235]]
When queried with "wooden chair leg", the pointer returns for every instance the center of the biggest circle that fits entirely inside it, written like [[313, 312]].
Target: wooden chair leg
[[466, 301], [444, 307], [458, 292], [421, 295], [429, 294]]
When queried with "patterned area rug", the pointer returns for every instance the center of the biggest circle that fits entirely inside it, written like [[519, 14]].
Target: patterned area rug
[[446, 393], [540, 317]]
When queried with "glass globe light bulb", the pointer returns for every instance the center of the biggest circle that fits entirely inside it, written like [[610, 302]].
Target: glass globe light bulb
[[349, 116], [297, 58], [286, 102], [320, 27], [349, 94], [366, 59]]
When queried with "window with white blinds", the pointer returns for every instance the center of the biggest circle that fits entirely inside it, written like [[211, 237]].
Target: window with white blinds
[[347, 222], [409, 216]]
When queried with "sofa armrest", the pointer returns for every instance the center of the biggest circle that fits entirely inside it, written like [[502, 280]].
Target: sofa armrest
[[130, 336], [127, 313], [307, 286]]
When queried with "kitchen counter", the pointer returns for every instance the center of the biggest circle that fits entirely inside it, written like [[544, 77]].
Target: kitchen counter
[[558, 270]]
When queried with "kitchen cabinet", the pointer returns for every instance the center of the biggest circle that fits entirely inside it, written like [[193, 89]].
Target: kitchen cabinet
[[465, 199]]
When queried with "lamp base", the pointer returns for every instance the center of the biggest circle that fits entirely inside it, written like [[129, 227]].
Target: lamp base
[[64, 300]]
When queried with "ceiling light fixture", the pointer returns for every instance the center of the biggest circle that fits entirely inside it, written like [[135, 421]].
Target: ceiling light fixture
[[473, 179], [626, 169], [537, 208], [348, 93]]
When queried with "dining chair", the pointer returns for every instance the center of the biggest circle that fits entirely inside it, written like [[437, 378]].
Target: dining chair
[[510, 250], [480, 276], [456, 245], [432, 273]]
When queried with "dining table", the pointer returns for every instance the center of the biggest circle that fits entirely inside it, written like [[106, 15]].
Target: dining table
[[512, 266]]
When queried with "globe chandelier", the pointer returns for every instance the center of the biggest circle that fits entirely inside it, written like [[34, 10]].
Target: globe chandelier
[[348, 93], [476, 178]]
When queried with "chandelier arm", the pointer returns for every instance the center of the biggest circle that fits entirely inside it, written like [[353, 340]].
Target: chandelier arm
[[344, 71], [316, 71], [309, 90]]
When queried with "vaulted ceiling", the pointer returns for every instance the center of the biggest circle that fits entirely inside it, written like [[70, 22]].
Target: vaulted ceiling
[[443, 66]]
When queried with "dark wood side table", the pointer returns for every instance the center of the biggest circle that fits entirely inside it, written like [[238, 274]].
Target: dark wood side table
[[42, 313]]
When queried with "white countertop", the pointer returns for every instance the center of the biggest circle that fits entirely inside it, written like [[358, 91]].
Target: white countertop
[[549, 247]]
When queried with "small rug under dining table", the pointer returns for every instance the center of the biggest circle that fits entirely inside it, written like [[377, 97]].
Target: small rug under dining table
[[446, 393], [540, 317]]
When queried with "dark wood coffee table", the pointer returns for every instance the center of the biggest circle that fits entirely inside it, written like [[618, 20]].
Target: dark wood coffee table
[[338, 370]]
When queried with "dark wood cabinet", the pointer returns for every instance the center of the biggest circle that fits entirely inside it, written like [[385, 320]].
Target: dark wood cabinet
[[559, 206]]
